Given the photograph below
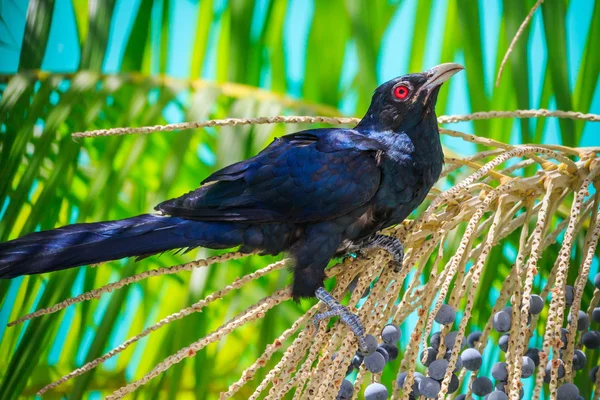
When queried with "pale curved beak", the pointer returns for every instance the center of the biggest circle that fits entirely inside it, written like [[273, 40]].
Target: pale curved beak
[[440, 74]]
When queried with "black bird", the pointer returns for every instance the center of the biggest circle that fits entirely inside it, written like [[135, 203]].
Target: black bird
[[315, 194]]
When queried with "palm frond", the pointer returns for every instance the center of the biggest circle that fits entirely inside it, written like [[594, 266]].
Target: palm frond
[[265, 59]]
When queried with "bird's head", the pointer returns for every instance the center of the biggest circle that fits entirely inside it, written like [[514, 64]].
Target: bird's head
[[404, 102]]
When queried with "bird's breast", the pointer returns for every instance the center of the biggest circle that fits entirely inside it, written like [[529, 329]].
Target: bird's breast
[[405, 184]]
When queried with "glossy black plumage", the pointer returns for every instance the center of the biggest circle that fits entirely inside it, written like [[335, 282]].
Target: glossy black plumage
[[303, 177], [315, 194]]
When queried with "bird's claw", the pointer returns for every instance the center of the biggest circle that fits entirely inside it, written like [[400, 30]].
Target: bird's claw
[[336, 309], [397, 266], [389, 243]]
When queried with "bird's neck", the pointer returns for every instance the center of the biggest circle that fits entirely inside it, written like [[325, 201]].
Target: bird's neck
[[423, 134], [425, 137]]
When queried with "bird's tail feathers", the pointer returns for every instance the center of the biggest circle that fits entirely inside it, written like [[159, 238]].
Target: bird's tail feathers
[[89, 243]]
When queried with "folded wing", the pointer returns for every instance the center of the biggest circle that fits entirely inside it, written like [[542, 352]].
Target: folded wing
[[307, 176]]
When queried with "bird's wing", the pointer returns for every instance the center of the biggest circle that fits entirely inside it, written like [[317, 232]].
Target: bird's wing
[[307, 176]]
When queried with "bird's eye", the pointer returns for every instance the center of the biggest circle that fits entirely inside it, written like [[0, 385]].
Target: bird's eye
[[401, 92]]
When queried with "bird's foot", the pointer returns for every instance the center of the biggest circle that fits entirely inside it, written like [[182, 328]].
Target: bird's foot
[[388, 243], [335, 309]]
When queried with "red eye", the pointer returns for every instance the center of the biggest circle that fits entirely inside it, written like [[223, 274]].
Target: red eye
[[401, 92]]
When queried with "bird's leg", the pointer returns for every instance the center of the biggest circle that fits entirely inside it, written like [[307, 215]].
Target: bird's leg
[[389, 243], [350, 319]]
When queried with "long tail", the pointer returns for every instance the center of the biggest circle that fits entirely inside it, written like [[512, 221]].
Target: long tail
[[82, 244]]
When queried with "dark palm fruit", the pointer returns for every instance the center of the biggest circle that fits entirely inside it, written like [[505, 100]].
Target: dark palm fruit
[[434, 340], [473, 338], [400, 380], [471, 359], [499, 371], [527, 368], [594, 372], [415, 386], [596, 314], [349, 370], [569, 295], [564, 337], [371, 343], [429, 388], [450, 338], [503, 342], [391, 349], [567, 391], [445, 315], [561, 371], [437, 369], [346, 390], [583, 321], [453, 385], [461, 397], [374, 362], [536, 304], [579, 360], [497, 395], [418, 377], [501, 321], [376, 391], [431, 356], [357, 361], [459, 363], [482, 386], [534, 354], [384, 353], [391, 334], [500, 387], [597, 280]]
